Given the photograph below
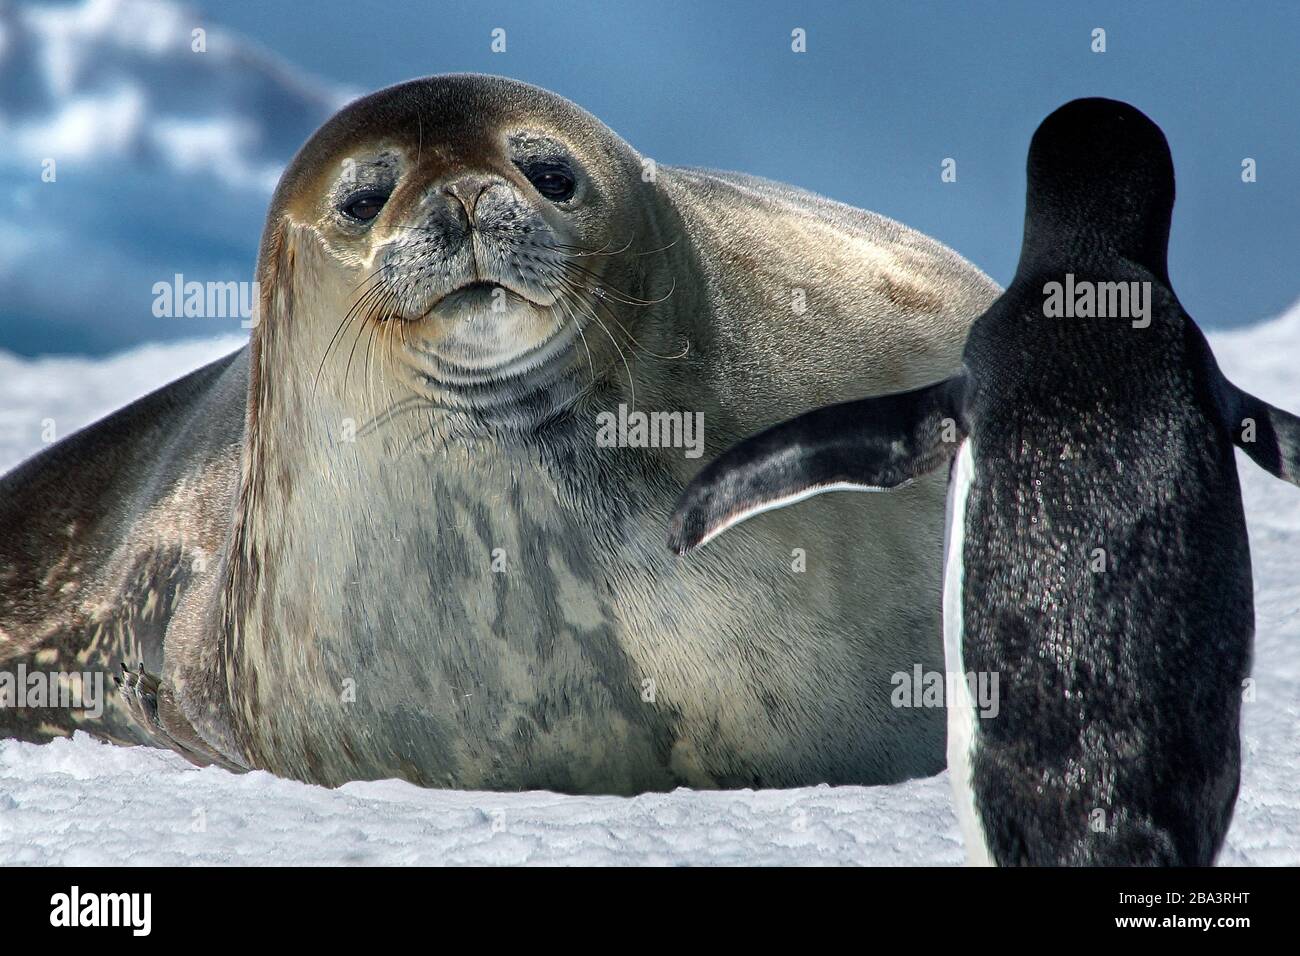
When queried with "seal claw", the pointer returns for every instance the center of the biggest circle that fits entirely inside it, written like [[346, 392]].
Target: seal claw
[[139, 691]]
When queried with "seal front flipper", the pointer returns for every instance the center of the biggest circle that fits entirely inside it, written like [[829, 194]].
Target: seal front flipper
[[1269, 435], [872, 444], [151, 703]]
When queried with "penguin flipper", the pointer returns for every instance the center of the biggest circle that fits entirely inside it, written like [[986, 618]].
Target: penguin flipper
[[1269, 435], [873, 444]]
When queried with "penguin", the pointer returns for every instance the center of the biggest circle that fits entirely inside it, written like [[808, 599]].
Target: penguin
[[1096, 558]]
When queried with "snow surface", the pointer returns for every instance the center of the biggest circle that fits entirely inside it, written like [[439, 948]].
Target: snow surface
[[78, 801]]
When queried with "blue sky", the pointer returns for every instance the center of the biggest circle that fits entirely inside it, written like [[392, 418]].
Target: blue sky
[[884, 94]]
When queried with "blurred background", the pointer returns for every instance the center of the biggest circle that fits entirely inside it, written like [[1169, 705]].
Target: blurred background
[[165, 158]]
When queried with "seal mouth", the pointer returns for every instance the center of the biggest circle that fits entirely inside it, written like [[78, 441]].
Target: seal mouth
[[476, 296], [482, 293]]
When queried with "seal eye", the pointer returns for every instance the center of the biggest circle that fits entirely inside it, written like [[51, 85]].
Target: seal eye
[[364, 206], [552, 180]]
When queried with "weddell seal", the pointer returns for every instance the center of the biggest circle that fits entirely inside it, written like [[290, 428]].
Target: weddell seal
[[384, 539], [1097, 553]]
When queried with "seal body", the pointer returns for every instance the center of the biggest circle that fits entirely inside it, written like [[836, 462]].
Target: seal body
[[1097, 561], [391, 539]]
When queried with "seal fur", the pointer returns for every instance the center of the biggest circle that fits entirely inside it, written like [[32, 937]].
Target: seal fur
[[298, 542]]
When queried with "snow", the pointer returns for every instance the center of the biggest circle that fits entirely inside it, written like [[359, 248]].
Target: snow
[[85, 803], [78, 801], [48, 399]]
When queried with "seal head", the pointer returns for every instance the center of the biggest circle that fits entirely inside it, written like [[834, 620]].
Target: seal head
[[469, 224]]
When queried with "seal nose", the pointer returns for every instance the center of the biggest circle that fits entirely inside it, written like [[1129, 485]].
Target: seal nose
[[467, 190]]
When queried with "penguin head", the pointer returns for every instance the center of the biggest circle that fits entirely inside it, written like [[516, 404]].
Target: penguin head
[[1100, 185]]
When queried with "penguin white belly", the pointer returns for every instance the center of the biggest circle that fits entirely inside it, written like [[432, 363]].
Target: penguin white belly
[[961, 708]]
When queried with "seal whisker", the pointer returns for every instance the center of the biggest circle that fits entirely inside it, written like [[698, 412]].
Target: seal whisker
[[400, 407], [373, 275], [370, 343], [381, 303], [430, 433], [347, 319], [604, 289], [577, 324], [631, 381], [633, 342], [385, 331], [584, 253], [652, 252]]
